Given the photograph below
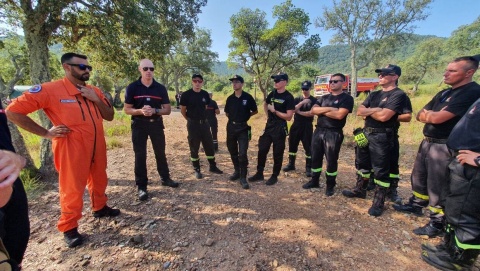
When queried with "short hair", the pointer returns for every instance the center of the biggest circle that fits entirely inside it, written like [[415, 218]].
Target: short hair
[[472, 63], [340, 75], [68, 56]]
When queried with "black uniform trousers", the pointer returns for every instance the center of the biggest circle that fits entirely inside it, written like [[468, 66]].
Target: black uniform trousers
[[376, 155], [199, 132], [276, 133], [213, 128], [462, 204], [237, 144], [300, 131], [141, 130], [15, 223], [326, 142], [395, 157]]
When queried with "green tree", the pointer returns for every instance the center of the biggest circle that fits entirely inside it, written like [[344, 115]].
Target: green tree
[[370, 27], [262, 51], [428, 56], [72, 20], [465, 40]]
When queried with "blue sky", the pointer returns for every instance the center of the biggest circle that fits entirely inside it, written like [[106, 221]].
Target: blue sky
[[445, 16]]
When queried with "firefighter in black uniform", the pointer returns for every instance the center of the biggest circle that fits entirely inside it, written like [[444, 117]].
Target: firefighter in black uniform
[[194, 109], [332, 111], [301, 129], [212, 112], [146, 101], [380, 109], [430, 170], [461, 244], [239, 107], [16, 226], [279, 106]]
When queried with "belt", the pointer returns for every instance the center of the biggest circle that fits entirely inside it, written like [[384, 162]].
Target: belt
[[377, 130], [197, 121], [335, 129], [435, 140], [238, 122], [148, 120]]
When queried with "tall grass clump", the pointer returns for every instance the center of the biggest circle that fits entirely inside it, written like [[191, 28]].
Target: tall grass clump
[[31, 182]]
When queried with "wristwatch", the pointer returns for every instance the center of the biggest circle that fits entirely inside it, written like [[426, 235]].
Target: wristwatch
[[477, 161], [157, 111]]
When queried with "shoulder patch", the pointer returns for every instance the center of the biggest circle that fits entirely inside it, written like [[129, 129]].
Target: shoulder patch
[[35, 89]]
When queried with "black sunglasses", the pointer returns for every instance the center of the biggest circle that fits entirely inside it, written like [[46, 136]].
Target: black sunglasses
[[383, 74], [148, 68], [334, 81], [82, 66], [305, 89], [278, 80]]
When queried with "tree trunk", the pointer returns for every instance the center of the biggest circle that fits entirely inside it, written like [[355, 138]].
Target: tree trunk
[[353, 75], [20, 147], [117, 101], [36, 37]]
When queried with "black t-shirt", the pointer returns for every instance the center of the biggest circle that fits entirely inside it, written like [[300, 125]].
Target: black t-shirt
[[466, 134], [5, 137], [282, 102], [196, 103], [304, 108], [407, 108], [211, 108], [393, 100], [456, 101], [239, 109], [139, 95], [342, 100]]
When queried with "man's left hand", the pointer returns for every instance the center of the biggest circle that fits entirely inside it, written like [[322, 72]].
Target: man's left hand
[[467, 157], [89, 93], [271, 108]]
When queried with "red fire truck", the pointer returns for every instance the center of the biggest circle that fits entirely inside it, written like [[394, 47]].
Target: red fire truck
[[364, 85]]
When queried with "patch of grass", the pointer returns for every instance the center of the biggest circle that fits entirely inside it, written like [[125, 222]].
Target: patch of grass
[[31, 182], [117, 130], [113, 143]]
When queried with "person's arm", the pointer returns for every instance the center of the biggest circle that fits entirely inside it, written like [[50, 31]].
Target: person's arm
[[429, 116], [28, 124], [363, 111], [467, 157], [321, 110], [183, 110], [217, 111], [106, 111], [286, 116], [165, 110], [253, 112], [407, 117], [129, 110], [10, 166], [383, 115], [338, 113]]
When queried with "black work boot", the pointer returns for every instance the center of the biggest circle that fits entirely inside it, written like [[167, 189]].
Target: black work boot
[[169, 182], [392, 193], [431, 229], [106, 211], [235, 176], [291, 163], [409, 208], [378, 201], [213, 167], [243, 178], [331, 182], [257, 177], [359, 191], [371, 183], [447, 238], [308, 167], [236, 165], [313, 183], [272, 180], [72, 238], [451, 258], [142, 193], [198, 174]]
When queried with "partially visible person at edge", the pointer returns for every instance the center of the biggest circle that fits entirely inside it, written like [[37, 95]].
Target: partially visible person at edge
[[212, 112], [147, 101], [301, 129], [392, 193], [177, 99], [239, 107], [380, 111], [14, 222], [77, 111], [194, 109], [461, 243], [430, 169], [279, 107], [332, 111]]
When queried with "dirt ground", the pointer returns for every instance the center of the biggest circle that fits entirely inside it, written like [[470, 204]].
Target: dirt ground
[[214, 224]]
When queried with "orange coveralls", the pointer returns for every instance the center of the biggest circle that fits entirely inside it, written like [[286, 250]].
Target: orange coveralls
[[80, 158]]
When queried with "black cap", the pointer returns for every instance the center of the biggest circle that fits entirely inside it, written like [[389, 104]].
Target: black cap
[[280, 76], [197, 75], [237, 77], [390, 69], [306, 85], [476, 57]]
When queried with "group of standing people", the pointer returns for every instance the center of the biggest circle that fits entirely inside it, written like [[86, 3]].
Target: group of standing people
[[445, 176]]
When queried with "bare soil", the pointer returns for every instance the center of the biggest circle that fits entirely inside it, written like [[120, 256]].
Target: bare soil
[[214, 224]]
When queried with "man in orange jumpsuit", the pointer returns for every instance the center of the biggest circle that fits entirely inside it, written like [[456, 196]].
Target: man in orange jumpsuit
[[77, 111]]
